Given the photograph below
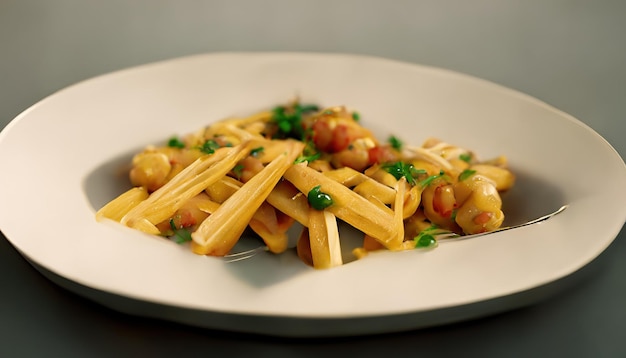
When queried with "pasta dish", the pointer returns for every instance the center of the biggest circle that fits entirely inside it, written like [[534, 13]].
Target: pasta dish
[[299, 163]]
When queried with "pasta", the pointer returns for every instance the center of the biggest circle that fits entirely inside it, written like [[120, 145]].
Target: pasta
[[299, 164]]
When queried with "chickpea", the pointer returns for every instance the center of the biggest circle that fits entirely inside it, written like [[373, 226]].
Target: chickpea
[[150, 170]]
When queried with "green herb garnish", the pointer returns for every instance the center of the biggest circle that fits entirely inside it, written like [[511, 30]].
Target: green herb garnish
[[309, 153], [182, 235], [174, 142], [466, 157], [238, 170], [308, 158], [318, 199], [289, 120], [426, 182], [402, 169], [395, 142], [466, 174], [209, 146], [257, 151], [356, 116]]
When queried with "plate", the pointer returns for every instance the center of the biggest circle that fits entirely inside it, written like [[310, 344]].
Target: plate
[[63, 158]]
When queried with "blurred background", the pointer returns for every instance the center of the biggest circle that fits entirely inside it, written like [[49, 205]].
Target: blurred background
[[564, 52], [568, 53]]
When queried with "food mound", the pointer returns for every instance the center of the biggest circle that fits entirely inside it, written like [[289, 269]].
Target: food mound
[[317, 167]]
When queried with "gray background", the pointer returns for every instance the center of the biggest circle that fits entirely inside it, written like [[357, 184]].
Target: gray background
[[570, 54]]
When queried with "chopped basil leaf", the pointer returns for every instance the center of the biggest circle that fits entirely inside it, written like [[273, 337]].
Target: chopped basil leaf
[[309, 153], [182, 235], [356, 116], [308, 158], [257, 151], [304, 108], [209, 146], [289, 120], [406, 170], [238, 170], [426, 182], [174, 142], [395, 142], [466, 157], [466, 174]]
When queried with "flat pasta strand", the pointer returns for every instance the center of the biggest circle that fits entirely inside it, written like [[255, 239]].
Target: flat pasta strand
[[349, 206], [220, 231]]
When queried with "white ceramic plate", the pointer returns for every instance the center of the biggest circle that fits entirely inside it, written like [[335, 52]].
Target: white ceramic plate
[[61, 161]]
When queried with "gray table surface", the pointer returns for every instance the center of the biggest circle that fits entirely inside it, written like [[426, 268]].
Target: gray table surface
[[570, 54]]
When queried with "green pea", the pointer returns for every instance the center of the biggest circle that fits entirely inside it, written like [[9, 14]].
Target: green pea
[[318, 199], [425, 241]]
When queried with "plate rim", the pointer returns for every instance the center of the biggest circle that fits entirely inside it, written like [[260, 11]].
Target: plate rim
[[511, 92]]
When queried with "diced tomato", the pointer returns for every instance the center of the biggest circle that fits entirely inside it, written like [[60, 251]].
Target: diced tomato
[[336, 139], [322, 135], [251, 166], [483, 218], [381, 154], [184, 218], [341, 138]]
